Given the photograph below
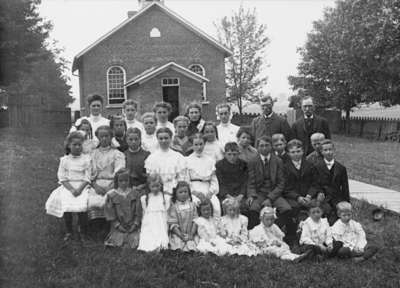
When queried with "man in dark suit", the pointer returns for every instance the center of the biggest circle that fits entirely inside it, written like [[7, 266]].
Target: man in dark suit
[[269, 122], [266, 184], [309, 124], [333, 180]]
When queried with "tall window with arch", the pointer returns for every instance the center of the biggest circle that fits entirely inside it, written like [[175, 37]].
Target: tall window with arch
[[199, 69], [115, 85]]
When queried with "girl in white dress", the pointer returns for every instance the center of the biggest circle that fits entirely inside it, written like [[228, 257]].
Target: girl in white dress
[[269, 238], [167, 163], [233, 227], [209, 240], [149, 138], [202, 177], [315, 231], [212, 147], [155, 204], [130, 108], [162, 111], [74, 176], [90, 143]]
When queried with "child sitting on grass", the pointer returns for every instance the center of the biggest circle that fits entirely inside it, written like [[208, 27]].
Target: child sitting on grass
[[269, 238], [181, 215], [74, 176], [315, 232], [155, 204], [349, 236], [209, 241], [123, 210]]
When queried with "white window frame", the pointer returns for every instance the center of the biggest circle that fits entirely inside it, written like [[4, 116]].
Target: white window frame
[[204, 99], [171, 84], [108, 86], [155, 33]]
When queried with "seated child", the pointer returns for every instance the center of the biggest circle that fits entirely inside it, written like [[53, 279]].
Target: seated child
[[201, 175], [212, 146], [149, 137], [74, 179], [333, 180], [118, 126], [316, 156], [162, 110], [181, 215], [233, 228], [90, 143], [123, 210], [135, 157], [181, 142], [269, 238], [279, 146], [232, 173], [209, 240], [315, 232], [155, 205], [130, 108], [349, 238]]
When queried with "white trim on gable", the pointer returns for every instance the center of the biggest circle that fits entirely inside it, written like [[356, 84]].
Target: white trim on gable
[[188, 25]]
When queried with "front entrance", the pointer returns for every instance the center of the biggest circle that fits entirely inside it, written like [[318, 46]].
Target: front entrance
[[170, 92]]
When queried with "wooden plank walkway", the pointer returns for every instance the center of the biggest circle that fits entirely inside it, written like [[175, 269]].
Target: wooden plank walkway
[[388, 199]]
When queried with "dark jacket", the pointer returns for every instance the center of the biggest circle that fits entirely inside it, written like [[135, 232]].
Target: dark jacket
[[232, 178], [334, 182], [268, 126], [269, 184], [300, 132], [301, 182]]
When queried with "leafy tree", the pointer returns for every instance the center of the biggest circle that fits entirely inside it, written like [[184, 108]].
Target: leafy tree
[[351, 56], [246, 38]]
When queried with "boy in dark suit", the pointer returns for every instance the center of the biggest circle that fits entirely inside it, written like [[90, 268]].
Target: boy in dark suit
[[279, 146], [333, 180], [316, 156], [302, 185], [266, 184]]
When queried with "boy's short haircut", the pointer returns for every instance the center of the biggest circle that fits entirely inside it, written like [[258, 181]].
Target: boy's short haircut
[[164, 105], [94, 97], [244, 130], [181, 118], [277, 137], [193, 105], [223, 105], [318, 135], [343, 206], [264, 138], [130, 102], [149, 115], [295, 143], [134, 130], [327, 141], [231, 146]]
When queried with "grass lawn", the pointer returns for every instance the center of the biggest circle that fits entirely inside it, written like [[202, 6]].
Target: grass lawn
[[373, 162], [34, 255]]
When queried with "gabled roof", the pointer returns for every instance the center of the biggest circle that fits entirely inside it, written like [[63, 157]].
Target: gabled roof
[[154, 71], [169, 12]]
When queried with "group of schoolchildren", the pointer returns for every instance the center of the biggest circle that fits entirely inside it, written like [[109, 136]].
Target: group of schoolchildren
[[192, 185]]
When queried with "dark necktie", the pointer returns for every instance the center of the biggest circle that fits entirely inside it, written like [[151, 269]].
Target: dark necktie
[[308, 122]]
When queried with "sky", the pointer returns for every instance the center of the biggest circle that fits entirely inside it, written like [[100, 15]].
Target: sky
[[79, 23]]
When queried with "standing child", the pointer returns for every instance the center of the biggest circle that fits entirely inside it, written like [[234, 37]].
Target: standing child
[[202, 177], [123, 210], [244, 140], [349, 238], [233, 227], [155, 204], [106, 161], [167, 163], [181, 142], [212, 147], [130, 108], [269, 238], [181, 215], [316, 156], [315, 232], [209, 241], [74, 176], [149, 138], [118, 126], [162, 111], [232, 173], [279, 146], [90, 143], [135, 157]]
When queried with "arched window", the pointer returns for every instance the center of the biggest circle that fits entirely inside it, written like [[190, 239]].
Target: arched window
[[155, 33], [115, 85], [199, 69]]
